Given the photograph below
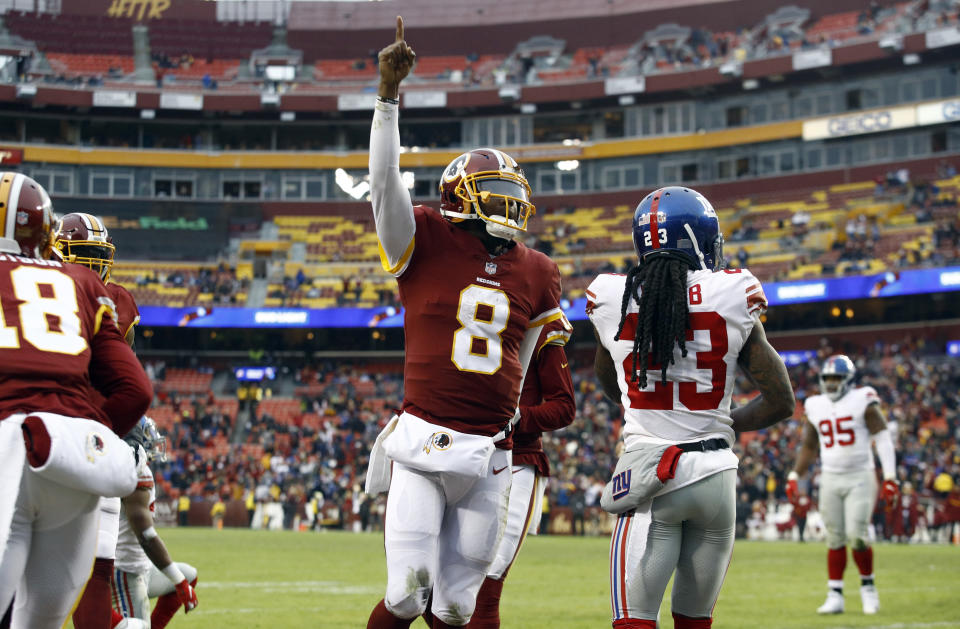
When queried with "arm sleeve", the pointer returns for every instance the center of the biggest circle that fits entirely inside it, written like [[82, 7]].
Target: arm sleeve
[[117, 375], [392, 208], [557, 408], [886, 454]]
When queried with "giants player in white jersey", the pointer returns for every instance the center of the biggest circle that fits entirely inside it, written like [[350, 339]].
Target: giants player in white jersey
[[844, 420], [475, 301], [678, 313], [144, 569]]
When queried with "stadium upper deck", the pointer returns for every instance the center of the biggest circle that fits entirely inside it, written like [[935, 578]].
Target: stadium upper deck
[[596, 46]]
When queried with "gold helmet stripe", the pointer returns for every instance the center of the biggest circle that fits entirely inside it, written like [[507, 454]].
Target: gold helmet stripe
[[5, 184], [13, 203], [87, 223]]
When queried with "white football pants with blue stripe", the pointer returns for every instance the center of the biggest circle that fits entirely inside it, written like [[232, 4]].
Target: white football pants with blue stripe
[[689, 531], [132, 591]]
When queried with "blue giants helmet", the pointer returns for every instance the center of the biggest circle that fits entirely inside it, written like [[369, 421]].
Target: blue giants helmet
[[838, 366], [680, 222]]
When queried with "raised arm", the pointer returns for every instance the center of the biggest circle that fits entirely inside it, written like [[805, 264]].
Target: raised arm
[[392, 208], [766, 370]]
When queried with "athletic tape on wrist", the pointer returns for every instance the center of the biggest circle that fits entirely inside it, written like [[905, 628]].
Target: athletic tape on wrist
[[173, 573]]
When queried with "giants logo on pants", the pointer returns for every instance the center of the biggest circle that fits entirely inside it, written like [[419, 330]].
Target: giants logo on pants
[[621, 484]]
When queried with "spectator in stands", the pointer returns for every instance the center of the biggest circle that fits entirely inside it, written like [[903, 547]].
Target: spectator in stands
[[743, 257]]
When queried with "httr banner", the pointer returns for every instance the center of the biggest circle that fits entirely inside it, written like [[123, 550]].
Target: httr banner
[[141, 10]]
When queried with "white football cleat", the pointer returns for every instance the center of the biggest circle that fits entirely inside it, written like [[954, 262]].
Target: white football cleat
[[871, 602], [833, 604]]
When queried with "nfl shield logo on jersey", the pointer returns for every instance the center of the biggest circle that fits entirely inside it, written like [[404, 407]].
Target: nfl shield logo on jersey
[[490, 268]]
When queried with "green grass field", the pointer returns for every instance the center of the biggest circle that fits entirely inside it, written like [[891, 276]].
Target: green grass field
[[286, 580]]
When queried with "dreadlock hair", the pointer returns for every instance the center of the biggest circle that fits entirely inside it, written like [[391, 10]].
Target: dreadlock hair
[[664, 316]]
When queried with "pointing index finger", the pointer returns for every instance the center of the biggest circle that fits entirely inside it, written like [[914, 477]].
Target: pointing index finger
[[399, 28]]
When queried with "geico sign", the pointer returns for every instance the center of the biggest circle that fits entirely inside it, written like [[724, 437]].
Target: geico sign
[[951, 110], [866, 123], [940, 111]]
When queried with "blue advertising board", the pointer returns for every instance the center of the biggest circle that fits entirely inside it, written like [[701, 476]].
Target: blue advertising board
[[888, 284]]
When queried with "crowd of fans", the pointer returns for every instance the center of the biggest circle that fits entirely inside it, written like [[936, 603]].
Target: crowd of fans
[[313, 459], [221, 282]]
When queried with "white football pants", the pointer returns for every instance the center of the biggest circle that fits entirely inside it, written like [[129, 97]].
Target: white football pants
[[523, 517], [441, 533], [109, 528], [846, 504], [50, 543], [131, 591], [689, 531]]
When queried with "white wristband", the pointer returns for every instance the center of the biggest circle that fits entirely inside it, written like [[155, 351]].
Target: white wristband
[[149, 534], [173, 573]]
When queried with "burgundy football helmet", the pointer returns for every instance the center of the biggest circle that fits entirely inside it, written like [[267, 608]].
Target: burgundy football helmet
[[26, 215], [83, 239], [472, 183]]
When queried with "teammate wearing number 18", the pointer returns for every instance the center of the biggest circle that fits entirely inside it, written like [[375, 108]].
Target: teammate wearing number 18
[[679, 314], [59, 345], [475, 301]]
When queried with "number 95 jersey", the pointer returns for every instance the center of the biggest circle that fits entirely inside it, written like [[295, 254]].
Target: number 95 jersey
[[694, 404], [465, 318], [842, 429]]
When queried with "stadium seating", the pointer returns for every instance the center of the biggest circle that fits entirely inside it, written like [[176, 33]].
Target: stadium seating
[[180, 284], [332, 420], [88, 45]]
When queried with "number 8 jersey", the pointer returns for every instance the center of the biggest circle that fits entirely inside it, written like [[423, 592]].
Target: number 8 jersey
[[465, 318], [694, 404], [842, 429]]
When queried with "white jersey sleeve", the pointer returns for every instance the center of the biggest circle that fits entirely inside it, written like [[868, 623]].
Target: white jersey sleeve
[[842, 429], [392, 207], [694, 404], [130, 555]]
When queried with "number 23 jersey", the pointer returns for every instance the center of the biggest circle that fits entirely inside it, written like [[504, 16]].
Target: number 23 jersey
[[842, 429], [694, 404], [466, 317]]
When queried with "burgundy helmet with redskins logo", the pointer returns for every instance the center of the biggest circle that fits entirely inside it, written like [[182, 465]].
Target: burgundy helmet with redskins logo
[[471, 185], [83, 239], [26, 216]]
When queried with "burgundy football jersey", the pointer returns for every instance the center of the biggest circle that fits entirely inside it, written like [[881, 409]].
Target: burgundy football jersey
[[51, 313], [547, 401], [128, 315], [466, 315]]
